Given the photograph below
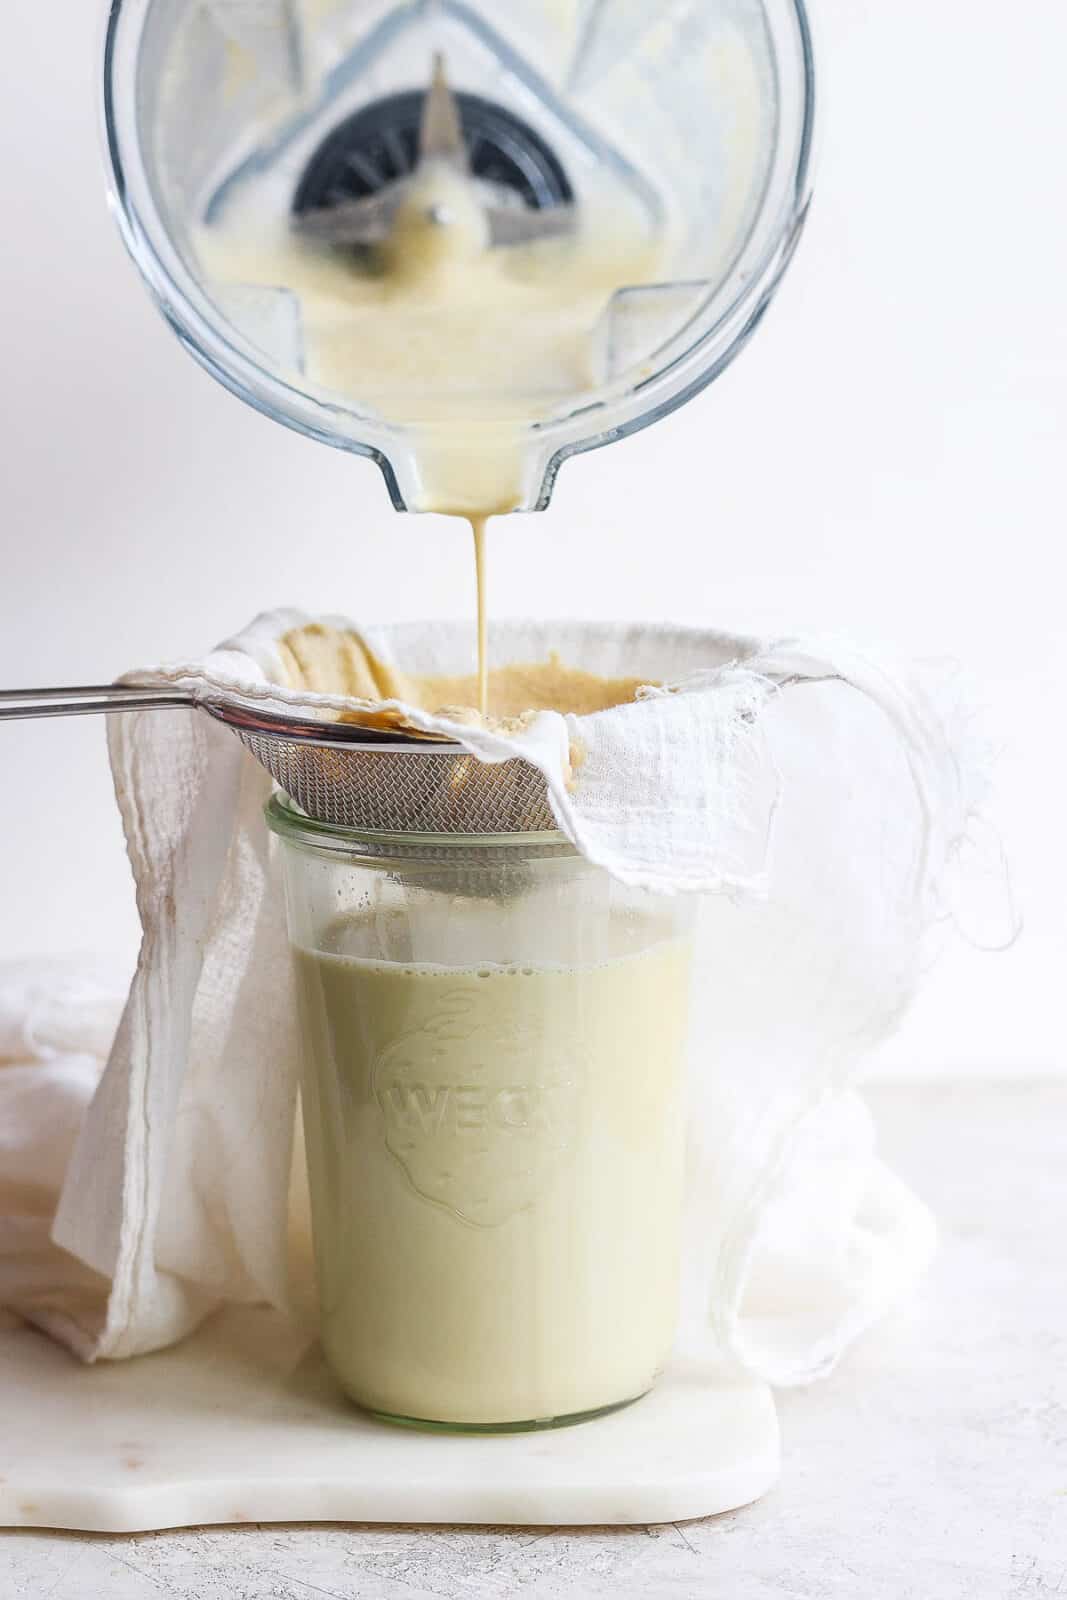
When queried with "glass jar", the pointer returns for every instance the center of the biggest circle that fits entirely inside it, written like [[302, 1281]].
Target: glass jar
[[494, 1040]]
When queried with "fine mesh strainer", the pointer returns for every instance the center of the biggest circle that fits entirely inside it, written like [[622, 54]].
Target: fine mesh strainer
[[338, 773]]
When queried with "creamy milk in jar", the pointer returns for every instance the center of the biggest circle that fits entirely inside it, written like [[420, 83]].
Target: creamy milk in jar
[[494, 1041]]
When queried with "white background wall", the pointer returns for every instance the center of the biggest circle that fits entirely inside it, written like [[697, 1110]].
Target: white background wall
[[887, 459]]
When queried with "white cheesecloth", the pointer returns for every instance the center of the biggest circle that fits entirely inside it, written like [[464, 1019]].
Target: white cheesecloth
[[819, 802]]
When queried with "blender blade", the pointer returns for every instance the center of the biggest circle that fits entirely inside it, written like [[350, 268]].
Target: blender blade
[[443, 142], [441, 135]]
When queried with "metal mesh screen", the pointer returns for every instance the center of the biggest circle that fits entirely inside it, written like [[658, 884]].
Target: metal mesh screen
[[405, 791]]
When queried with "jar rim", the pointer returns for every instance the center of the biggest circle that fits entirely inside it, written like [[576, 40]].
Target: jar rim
[[287, 821]]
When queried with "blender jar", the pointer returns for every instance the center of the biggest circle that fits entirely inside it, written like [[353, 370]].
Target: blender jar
[[685, 125], [494, 1041]]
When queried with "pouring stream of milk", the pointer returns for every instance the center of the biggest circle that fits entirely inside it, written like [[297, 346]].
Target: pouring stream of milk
[[478, 526], [465, 345]]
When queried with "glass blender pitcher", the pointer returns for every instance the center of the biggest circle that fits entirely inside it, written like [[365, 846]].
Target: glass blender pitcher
[[267, 157]]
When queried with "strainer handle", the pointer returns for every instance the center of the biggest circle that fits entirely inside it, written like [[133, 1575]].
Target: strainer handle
[[17, 704]]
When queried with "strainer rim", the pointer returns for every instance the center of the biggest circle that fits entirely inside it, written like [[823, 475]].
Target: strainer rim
[[295, 727]]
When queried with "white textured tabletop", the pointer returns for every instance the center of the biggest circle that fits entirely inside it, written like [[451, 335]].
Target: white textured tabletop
[[931, 1466]]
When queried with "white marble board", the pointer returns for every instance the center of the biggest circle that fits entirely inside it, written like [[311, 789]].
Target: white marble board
[[242, 1423]]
